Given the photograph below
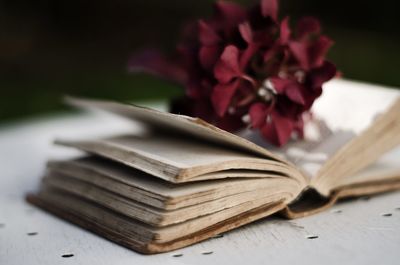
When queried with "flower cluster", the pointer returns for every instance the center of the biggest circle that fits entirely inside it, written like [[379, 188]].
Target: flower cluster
[[245, 68]]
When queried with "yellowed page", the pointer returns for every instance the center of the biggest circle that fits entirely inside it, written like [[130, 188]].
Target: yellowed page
[[193, 127], [147, 189], [382, 136], [342, 113], [178, 159]]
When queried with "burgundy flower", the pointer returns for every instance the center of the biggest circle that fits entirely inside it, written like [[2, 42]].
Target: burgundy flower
[[245, 68]]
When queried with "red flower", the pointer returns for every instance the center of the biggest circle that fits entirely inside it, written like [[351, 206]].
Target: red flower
[[246, 68]]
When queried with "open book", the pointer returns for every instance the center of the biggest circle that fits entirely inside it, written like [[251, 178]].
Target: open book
[[181, 180]]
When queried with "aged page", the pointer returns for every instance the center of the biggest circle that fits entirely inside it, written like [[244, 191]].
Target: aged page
[[381, 137], [180, 159], [344, 111], [167, 122], [387, 167], [139, 186]]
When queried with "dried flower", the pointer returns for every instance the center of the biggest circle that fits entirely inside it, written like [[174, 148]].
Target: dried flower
[[246, 68]]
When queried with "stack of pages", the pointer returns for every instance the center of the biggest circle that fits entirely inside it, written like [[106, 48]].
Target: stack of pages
[[181, 180]]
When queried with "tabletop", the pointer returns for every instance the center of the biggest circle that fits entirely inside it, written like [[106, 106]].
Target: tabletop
[[359, 231]]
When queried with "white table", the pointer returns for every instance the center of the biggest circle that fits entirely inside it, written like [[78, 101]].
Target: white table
[[362, 231]]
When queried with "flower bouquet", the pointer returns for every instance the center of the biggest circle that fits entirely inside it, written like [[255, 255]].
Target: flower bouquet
[[246, 68]]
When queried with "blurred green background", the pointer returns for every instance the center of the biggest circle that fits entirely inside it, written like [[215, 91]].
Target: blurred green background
[[49, 48]]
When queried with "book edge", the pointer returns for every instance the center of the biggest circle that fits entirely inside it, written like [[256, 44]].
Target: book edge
[[154, 247]]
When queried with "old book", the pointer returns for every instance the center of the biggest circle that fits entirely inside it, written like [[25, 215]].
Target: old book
[[179, 180]]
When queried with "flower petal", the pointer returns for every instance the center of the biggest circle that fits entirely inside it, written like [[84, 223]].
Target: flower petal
[[222, 96], [300, 52], [279, 130], [246, 32], [208, 56], [280, 84], [318, 50], [258, 115], [307, 26], [292, 89], [269, 8], [247, 55], [207, 35], [227, 68], [269, 133], [284, 128], [285, 31], [270, 53], [153, 62], [322, 74], [294, 93]]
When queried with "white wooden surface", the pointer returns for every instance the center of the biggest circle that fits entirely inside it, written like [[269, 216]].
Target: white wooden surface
[[362, 231]]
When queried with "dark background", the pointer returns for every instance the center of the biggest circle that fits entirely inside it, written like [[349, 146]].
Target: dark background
[[49, 48]]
